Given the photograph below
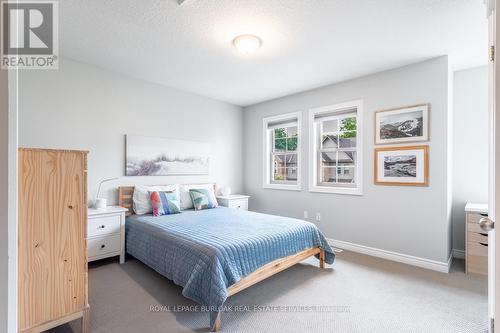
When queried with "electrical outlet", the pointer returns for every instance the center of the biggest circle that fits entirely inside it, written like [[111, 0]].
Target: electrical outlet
[[306, 214], [318, 217]]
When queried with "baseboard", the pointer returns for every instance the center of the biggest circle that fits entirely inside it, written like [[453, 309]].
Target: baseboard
[[450, 261], [459, 254], [434, 265]]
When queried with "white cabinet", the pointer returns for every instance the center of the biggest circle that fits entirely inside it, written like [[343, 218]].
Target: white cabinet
[[106, 233], [236, 201]]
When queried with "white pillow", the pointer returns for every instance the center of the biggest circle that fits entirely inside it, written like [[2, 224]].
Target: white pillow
[[141, 199], [186, 202]]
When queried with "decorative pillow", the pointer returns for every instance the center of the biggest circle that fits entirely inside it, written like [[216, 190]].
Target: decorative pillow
[[142, 200], [203, 198], [165, 203], [185, 197]]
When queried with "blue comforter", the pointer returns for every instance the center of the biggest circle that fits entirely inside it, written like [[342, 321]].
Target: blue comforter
[[207, 251]]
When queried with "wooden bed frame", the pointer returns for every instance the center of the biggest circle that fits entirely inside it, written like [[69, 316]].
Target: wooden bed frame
[[125, 194]]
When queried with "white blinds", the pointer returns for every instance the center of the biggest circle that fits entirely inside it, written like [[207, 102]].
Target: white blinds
[[328, 115], [282, 123]]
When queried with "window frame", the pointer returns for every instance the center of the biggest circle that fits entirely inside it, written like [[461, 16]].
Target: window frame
[[268, 151], [285, 153], [315, 185], [339, 170]]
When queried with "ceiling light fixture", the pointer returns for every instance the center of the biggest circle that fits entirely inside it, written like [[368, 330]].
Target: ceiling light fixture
[[247, 44]]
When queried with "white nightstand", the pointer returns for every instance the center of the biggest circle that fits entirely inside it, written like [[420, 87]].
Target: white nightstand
[[234, 201], [106, 233]]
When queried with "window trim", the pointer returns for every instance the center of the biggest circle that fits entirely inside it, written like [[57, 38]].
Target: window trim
[[268, 182], [313, 149]]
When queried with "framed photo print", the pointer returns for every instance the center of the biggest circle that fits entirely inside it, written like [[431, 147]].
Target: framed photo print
[[406, 124], [402, 166]]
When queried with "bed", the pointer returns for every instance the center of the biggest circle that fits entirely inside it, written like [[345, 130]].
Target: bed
[[218, 252]]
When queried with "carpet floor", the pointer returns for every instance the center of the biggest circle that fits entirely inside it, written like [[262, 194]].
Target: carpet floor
[[356, 294]]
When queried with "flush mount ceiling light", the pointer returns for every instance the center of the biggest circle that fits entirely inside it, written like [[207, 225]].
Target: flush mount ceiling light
[[247, 44]]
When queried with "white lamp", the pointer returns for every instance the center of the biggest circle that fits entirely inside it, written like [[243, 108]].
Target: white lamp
[[102, 203], [225, 191]]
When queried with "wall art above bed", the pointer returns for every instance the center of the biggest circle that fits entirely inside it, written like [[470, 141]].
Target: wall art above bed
[[150, 156]]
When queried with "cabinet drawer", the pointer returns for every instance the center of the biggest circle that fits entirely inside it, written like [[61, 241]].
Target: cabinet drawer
[[238, 203], [475, 217], [100, 246], [103, 225], [475, 237], [474, 227], [477, 249], [477, 264]]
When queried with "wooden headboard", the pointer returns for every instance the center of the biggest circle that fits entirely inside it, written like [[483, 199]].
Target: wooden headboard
[[125, 194]]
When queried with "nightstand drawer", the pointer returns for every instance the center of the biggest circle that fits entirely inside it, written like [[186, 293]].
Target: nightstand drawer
[[238, 203], [104, 225], [101, 246]]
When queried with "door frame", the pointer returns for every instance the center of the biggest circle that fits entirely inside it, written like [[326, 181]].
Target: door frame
[[13, 75], [493, 16]]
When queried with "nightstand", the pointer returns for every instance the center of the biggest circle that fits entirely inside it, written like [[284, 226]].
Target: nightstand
[[106, 233], [476, 240], [234, 201]]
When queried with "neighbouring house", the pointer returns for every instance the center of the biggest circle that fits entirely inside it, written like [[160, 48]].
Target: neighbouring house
[[285, 167], [337, 162]]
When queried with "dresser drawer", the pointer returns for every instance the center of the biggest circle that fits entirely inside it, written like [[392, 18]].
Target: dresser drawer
[[475, 217], [477, 249], [474, 227], [103, 225], [477, 258], [477, 264], [238, 203], [476, 237], [101, 246]]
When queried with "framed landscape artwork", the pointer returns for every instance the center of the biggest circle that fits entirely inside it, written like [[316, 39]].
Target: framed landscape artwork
[[406, 166], [406, 124], [150, 156]]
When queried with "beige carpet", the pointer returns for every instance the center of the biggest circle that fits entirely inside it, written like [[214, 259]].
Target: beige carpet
[[359, 294]]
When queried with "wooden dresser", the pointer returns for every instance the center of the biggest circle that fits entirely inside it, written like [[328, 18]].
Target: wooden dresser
[[476, 240], [52, 245]]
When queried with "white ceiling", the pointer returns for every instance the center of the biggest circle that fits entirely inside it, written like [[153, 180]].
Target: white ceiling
[[306, 43]]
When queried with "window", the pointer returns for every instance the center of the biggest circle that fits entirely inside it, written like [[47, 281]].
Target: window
[[282, 152], [336, 148]]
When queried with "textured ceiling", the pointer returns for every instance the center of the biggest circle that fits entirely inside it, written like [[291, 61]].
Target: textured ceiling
[[306, 43]]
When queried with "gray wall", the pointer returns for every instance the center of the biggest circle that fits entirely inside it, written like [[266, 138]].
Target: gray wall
[[4, 188], [408, 220], [470, 145], [83, 107]]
